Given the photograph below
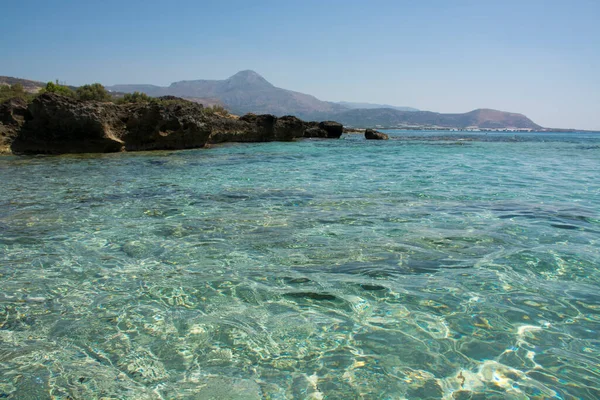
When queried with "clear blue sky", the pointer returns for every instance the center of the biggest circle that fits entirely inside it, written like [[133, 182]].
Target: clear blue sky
[[537, 57]]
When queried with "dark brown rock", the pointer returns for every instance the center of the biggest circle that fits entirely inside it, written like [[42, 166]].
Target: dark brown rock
[[371, 134], [13, 113], [257, 128], [171, 125], [232, 130], [265, 127], [315, 132], [56, 124], [59, 124], [288, 128], [334, 129], [326, 129], [249, 128]]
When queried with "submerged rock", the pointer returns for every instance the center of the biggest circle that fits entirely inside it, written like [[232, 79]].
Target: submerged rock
[[55, 124], [371, 134], [312, 296]]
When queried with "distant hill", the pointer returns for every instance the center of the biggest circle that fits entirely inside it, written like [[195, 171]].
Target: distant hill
[[247, 91], [150, 90], [353, 106], [29, 86], [482, 118], [243, 92]]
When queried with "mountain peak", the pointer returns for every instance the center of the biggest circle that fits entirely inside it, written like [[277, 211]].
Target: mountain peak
[[246, 73], [248, 77]]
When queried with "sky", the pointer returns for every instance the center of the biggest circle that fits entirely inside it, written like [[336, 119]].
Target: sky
[[536, 57]]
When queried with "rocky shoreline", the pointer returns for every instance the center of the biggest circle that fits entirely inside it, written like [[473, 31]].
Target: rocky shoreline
[[55, 124]]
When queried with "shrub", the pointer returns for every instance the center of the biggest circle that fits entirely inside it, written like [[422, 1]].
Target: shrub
[[216, 109], [52, 87], [11, 91], [136, 97], [95, 91]]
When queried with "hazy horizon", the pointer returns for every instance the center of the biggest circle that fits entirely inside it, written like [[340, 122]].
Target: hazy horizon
[[539, 58]]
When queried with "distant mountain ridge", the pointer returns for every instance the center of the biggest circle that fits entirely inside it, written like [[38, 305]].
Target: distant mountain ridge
[[28, 85], [481, 118], [352, 105], [242, 93], [248, 92]]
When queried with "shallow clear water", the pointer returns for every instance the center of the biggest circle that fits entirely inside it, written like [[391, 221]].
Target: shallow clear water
[[332, 269]]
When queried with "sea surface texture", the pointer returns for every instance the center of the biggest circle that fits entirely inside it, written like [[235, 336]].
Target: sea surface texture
[[462, 266]]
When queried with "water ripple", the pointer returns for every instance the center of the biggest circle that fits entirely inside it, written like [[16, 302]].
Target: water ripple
[[422, 267]]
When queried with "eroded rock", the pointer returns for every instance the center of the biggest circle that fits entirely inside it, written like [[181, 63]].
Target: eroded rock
[[59, 124], [13, 114], [371, 134], [55, 124]]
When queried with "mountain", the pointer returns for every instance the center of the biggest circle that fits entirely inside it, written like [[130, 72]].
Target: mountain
[[150, 90], [243, 92], [481, 118], [247, 91], [353, 106], [28, 85]]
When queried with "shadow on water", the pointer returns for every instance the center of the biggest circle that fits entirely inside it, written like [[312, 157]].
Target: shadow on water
[[407, 267], [561, 218]]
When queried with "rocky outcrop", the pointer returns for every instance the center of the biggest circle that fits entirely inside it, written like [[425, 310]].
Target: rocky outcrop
[[59, 124], [371, 134], [54, 124], [325, 129], [13, 114], [171, 124], [334, 129], [257, 128]]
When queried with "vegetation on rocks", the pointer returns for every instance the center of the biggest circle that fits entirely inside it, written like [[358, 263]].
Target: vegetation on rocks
[[56, 124], [95, 92], [13, 91], [135, 97], [139, 98], [216, 109], [60, 119], [52, 87]]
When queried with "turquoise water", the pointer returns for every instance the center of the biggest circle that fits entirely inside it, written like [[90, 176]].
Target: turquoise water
[[320, 269]]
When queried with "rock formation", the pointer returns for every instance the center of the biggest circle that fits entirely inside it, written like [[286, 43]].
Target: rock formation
[[371, 134], [325, 129], [55, 124], [13, 113], [58, 124]]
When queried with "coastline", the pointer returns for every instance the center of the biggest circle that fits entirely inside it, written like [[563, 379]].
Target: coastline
[[56, 124]]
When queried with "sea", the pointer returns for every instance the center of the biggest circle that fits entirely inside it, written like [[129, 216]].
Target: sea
[[434, 265]]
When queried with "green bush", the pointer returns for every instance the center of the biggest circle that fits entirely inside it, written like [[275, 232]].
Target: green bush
[[95, 91], [216, 109], [12, 91], [136, 97], [52, 87]]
